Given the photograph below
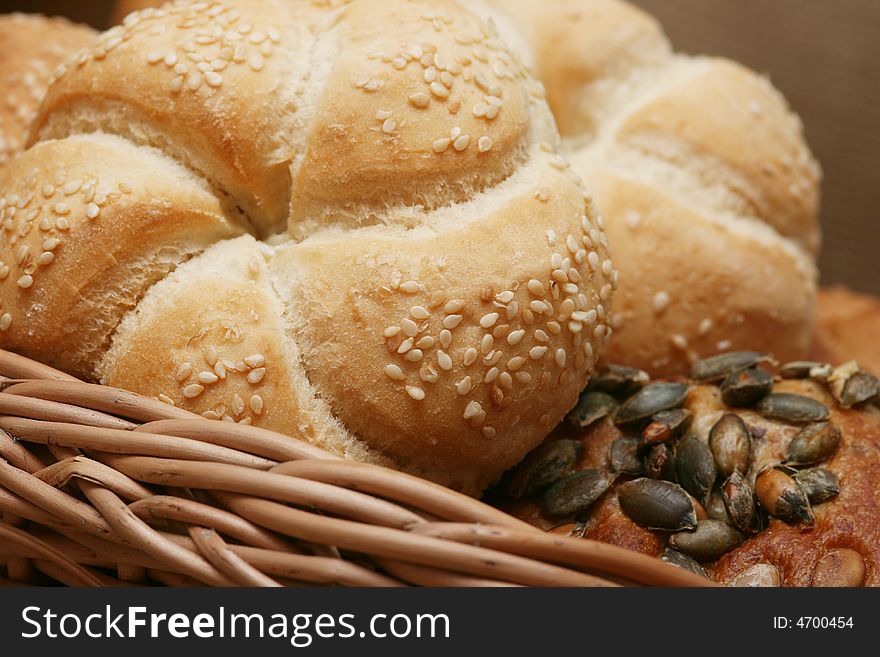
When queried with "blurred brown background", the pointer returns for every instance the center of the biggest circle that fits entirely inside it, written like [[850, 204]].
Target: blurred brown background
[[822, 54]]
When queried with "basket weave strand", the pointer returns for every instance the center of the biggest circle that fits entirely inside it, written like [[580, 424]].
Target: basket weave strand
[[104, 487]]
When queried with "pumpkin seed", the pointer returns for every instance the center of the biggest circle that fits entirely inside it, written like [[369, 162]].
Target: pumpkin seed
[[782, 497], [591, 407], [718, 367], [619, 380], [739, 501], [655, 504], [819, 484], [660, 462], [576, 493], [793, 408], [799, 369], [842, 567], [709, 541], [695, 467], [651, 400], [544, 466], [759, 575], [665, 426], [715, 507], [746, 388], [625, 456], [731, 444], [676, 558], [815, 442], [859, 388]]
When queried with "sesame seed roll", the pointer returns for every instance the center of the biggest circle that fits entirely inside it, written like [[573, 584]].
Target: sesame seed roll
[[349, 222], [708, 189]]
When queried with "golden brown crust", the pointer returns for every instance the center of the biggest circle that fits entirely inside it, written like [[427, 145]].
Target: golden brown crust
[[33, 46], [847, 327], [851, 521], [705, 141], [433, 286]]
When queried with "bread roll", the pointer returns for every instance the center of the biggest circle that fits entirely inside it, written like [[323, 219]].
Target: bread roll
[[708, 189], [33, 47], [828, 534], [847, 328], [346, 223]]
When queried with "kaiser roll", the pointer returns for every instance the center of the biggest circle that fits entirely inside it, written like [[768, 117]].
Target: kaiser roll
[[701, 172], [33, 47], [347, 223]]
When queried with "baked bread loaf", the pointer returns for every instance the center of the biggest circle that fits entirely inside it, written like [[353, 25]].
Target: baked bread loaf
[[707, 187], [33, 47], [802, 508], [349, 224], [847, 327]]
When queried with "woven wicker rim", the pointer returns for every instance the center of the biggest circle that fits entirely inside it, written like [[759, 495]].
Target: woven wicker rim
[[100, 486]]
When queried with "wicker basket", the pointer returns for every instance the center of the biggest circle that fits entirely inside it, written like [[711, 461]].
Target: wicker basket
[[100, 486]]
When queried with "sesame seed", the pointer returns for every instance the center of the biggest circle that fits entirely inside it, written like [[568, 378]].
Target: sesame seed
[[570, 288], [162, 397], [470, 356], [213, 79], [523, 377], [410, 328], [575, 327], [192, 391], [410, 287], [25, 281], [489, 432], [486, 344], [207, 378], [501, 331], [599, 331], [176, 84], [605, 292], [389, 126], [414, 355], [420, 100], [464, 386], [439, 90], [512, 310], [560, 357], [92, 210], [426, 342], [415, 392], [461, 143], [492, 358], [505, 380], [472, 410], [537, 306], [394, 372], [445, 338], [536, 287], [515, 337], [504, 297], [428, 374], [254, 360], [220, 370], [256, 375], [705, 326], [451, 321], [237, 405], [484, 144], [488, 320], [517, 362], [538, 352], [184, 372], [541, 336], [405, 346], [607, 268], [454, 306], [5, 321], [593, 259], [256, 62], [661, 301], [419, 312], [444, 360], [441, 144], [390, 331], [679, 341], [491, 375]]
